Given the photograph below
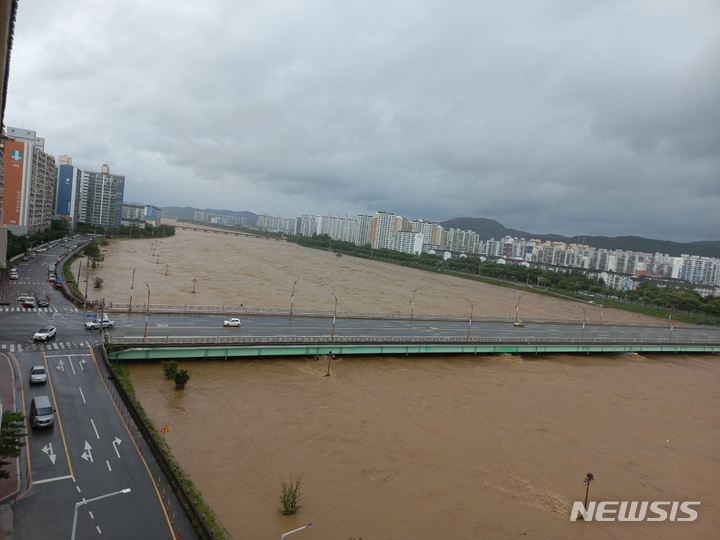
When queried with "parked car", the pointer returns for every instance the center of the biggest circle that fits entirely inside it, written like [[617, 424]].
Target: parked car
[[45, 333], [38, 375], [96, 324], [43, 302], [232, 322]]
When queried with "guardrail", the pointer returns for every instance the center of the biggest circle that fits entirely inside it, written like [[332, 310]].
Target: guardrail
[[375, 340], [227, 311]]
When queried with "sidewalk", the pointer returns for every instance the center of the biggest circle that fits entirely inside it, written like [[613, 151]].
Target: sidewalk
[[8, 486]]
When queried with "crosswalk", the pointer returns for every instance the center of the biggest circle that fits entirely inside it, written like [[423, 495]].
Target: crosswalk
[[51, 346], [71, 309]]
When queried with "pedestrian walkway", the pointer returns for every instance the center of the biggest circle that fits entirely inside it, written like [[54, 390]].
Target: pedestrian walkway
[[51, 346], [8, 486]]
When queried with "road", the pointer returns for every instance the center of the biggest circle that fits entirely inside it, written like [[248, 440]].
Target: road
[[91, 451]]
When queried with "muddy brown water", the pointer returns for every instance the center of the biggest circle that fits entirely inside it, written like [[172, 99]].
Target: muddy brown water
[[445, 447]]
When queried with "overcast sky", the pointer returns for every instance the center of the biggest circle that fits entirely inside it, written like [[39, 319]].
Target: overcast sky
[[568, 117]]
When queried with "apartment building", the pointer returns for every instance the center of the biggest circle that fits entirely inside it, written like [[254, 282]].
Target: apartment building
[[29, 182]]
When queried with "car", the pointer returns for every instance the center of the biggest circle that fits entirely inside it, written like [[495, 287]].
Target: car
[[26, 257], [45, 333], [43, 302], [96, 324], [38, 375], [22, 297], [232, 322], [29, 302], [519, 323], [14, 275], [42, 413]]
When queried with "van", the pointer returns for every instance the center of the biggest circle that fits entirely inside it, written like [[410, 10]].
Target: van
[[42, 413]]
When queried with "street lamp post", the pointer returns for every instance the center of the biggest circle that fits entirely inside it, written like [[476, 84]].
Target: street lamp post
[[147, 311], [582, 333], [589, 478], [292, 297], [332, 333], [412, 302], [87, 501], [132, 285], [517, 307], [283, 535], [472, 307]]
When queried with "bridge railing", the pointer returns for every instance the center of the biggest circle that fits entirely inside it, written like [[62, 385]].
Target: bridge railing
[[386, 340], [235, 311]]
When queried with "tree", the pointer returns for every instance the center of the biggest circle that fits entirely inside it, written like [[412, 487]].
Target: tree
[[170, 368], [92, 252], [181, 378], [12, 438], [98, 283]]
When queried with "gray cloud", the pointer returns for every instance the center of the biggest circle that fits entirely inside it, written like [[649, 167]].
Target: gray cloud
[[573, 118]]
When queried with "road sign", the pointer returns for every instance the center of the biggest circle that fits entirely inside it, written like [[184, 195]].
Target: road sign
[[164, 429]]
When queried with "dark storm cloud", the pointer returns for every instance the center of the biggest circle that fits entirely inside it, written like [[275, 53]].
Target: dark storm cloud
[[551, 116]]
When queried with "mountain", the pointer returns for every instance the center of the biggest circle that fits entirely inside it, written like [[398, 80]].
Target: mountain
[[188, 212], [488, 228]]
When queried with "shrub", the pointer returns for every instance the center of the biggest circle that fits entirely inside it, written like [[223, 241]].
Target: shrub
[[181, 378], [290, 498], [98, 283], [170, 368]]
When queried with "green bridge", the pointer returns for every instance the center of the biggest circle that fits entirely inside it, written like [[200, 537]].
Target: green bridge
[[221, 348]]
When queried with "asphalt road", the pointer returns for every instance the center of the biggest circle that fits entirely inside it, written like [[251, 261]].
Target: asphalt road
[[91, 452]]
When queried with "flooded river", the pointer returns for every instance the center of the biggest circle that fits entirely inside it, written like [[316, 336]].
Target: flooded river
[[468, 447]]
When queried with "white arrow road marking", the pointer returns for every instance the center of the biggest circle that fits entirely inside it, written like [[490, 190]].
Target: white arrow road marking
[[61, 366], [82, 364], [49, 451], [116, 443], [87, 454]]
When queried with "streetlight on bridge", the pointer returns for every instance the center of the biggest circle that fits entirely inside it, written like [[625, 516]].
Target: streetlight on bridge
[[132, 285], [517, 307], [147, 311], [412, 302], [292, 297], [332, 333], [472, 307]]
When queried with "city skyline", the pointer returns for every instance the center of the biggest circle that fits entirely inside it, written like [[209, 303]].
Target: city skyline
[[573, 122]]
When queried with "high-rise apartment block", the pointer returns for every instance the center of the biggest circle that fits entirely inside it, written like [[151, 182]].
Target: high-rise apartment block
[[29, 182]]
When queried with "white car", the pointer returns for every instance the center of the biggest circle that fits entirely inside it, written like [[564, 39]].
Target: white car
[[96, 324], [38, 375], [232, 322], [45, 333]]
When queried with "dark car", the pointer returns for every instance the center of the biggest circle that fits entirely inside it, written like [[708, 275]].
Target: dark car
[[43, 302]]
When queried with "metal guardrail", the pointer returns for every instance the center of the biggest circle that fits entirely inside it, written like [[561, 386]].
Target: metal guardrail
[[349, 340], [227, 311]]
